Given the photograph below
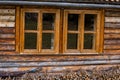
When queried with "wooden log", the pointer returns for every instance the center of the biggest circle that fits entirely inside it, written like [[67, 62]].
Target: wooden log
[[55, 70], [112, 13], [112, 19], [46, 58], [112, 25], [111, 51], [7, 11], [7, 47], [8, 52], [111, 42], [7, 36], [112, 31], [111, 36], [7, 24], [7, 30], [7, 41], [54, 64], [110, 47], [7, 18]]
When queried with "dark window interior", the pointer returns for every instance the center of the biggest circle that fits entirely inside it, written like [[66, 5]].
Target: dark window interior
[[88, 41], [47, 41], [73, 22], [48, 21], [72, 41], [31, 21], [30, 41], [90, 20]]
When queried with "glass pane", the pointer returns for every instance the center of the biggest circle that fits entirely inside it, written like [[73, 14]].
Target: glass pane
[[30, 41], [48, 21], [90, 21], [47, 41], [72, 41], [88, 41], [31, 21], [73, 21]]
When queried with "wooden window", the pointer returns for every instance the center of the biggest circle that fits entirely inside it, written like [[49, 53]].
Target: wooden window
[[39, 31], [81, 31]]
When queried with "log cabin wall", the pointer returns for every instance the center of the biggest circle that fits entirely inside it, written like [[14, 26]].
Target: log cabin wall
[[7, 30], [112, 32], [10, 60]]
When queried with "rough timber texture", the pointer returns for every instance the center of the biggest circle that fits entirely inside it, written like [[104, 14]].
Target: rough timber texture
[[56, 63], [7, 30], [112, 32], [61, 62]]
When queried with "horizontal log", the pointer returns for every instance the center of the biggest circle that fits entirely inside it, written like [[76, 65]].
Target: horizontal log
[[6, 52], [111, 36], [113, 25], [52, 64], [7, 30], [52, 70], [7, 11], [7, 24], [7, 41], [56, 58], [113, 31], [112, 19], [7, 47], [112, 13], [112, 51], [7, 35], [111, 42], [110, 47], [7, 18]]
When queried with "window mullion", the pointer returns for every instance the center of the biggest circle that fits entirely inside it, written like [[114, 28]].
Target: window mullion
[[79, 32], [39, 31], [82, 32]]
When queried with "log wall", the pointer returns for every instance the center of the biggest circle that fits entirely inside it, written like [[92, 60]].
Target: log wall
[[61, 62], [112, 32], [7, 31]]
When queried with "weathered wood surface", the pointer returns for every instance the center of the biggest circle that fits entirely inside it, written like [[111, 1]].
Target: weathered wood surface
[[8, 41], [112, 13], [7, 11], [7, 31], [111, 36], [7, 18], [112, 42], [112, 32], [7, 36], [57, 61], [114, 47], [66, 57], [112, 25], [51, 64], [7, 47], [7, 24], [112, 51], [112, 19]]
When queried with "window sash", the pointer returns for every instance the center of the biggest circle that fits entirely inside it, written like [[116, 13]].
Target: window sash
[[57, 32], [39, 31], [81, 31]]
